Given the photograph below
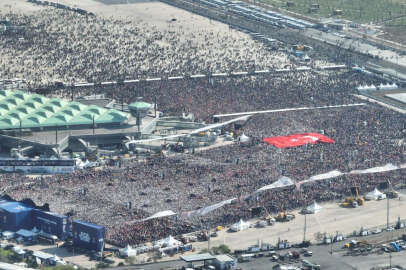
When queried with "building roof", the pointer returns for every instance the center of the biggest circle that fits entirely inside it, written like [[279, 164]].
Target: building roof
[[35, 111], [51, 213], [84, 223], [140, 105], [26, 233], [14, 207], [197, 257], [42, 255], [225, 258], [8, 266]]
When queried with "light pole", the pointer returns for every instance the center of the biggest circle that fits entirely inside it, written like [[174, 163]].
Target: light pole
[[304, 229], [387, 204], [387, 213]]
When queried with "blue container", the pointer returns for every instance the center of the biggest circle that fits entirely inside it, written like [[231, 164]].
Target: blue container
[[87, 235], [51, 223], [15, 216]]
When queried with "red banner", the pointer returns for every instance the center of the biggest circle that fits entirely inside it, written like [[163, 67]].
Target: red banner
[[297, 140]]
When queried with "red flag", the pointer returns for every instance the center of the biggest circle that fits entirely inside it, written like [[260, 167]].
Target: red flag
[[297, 140]]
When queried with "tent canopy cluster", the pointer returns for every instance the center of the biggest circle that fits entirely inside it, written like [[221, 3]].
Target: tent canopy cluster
[[375, 195]]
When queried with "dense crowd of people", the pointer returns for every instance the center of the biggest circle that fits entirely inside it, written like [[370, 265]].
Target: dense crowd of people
[[60, 45], [69, 47], [365, 137]]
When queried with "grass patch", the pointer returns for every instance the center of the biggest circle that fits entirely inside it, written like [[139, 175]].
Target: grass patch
[[361, 11]]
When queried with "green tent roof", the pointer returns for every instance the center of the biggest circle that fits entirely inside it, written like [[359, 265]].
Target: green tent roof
[[140, 105], [38, 111]]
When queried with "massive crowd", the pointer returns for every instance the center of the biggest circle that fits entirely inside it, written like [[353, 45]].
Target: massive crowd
[[60, 45], [365, 137], [101, 49]]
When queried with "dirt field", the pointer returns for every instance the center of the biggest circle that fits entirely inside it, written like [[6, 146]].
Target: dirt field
[[330, 219], [397, 34], [152, 13], [361, 11]]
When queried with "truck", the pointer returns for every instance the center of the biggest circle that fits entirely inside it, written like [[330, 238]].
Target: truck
[[354, 200], [284, 217], [395, 246], [245, 257]]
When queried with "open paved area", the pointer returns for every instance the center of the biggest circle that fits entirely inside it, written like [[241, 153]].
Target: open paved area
[[154, 13], [321, 256], [330, 219]]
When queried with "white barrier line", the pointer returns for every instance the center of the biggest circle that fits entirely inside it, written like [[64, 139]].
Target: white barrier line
[[289, 109]]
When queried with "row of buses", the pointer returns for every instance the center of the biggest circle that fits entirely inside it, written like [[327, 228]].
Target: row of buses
[[257, 13]]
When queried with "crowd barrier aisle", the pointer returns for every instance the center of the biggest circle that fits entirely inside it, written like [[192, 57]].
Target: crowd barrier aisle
[[213, 75]]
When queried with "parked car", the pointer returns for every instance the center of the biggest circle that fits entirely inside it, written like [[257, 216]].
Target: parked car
[[308, 253], [376, 231], [270, 254]]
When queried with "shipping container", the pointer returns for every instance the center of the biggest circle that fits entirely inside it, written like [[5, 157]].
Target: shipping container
[[87, 235], [51, 223], [15, 216]]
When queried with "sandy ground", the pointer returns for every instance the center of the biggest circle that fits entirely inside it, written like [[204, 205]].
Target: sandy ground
[[154, 13], [330, 219], [18, 6], [397, 34]]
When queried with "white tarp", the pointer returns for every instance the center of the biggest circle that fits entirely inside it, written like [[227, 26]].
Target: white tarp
[[282, 182], [323, 176], [208, 209], [385, 168], [313, 208], [166, 213], [128, 251], [240, 226], [332, 174], [375, 195]]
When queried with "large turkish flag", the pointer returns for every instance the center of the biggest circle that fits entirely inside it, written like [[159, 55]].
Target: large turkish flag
[[297, 140]]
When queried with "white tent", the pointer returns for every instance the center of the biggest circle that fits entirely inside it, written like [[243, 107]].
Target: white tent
[[244, 138], [372, 87], [168, 242], [128, 251], [375, 195], [313, 208], [240, 226]]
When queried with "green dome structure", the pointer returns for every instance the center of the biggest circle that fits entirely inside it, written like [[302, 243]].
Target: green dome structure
[[20, 109]]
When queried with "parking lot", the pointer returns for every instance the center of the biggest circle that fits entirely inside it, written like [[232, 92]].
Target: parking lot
[[321, 255]]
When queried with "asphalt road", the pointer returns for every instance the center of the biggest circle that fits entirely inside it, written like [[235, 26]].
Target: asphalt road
[[356, 44], [321, 255]]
